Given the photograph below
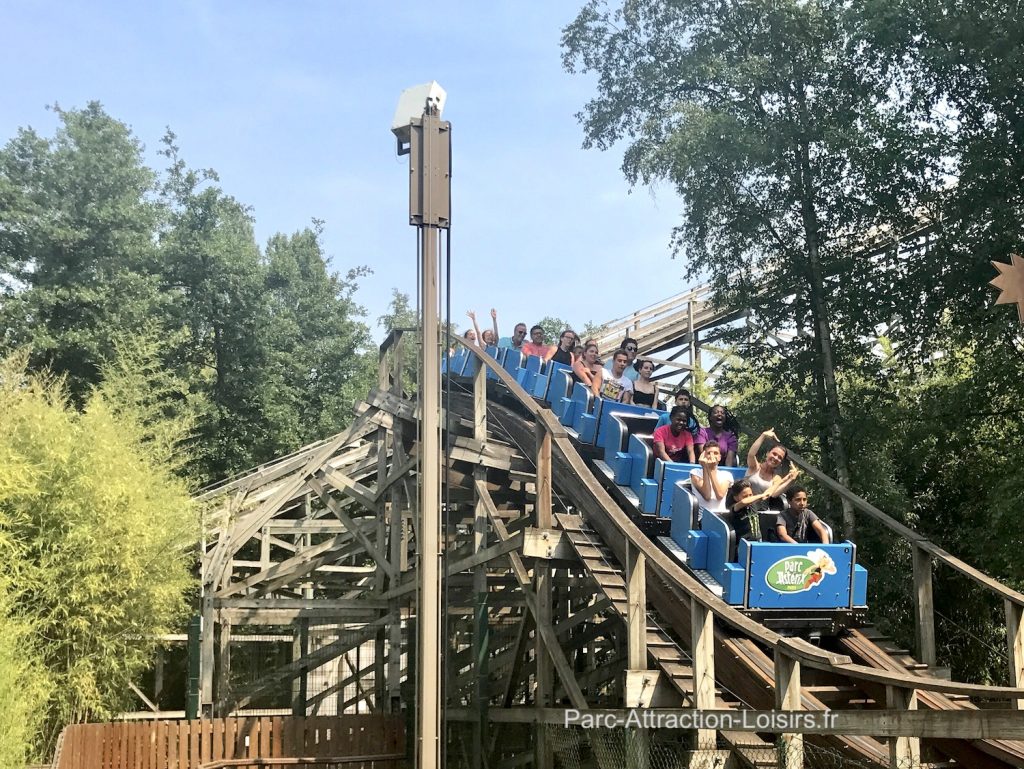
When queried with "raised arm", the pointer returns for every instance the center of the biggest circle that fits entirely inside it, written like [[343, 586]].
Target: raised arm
[[780, 484], [476, 328], [752, 464], [494, 325]]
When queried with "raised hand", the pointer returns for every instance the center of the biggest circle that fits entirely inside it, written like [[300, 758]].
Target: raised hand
[[471, 314], [770, 433], [494, 314]]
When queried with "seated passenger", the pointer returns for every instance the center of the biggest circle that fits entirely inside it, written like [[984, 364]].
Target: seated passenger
[[709, 483], [536, 344], [630, 346], [562, 352], [515, 341], [615, 385], [673, 442], [719, 432], [792, 525], [645, 389], [469, 337], [587, 369], [764, 477], [682, 398], [743, 502], [489, 336]]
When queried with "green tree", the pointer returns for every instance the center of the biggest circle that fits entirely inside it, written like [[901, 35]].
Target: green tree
[[786, 143], [23, 687], [320, 353], [77, 256], [98, 541]]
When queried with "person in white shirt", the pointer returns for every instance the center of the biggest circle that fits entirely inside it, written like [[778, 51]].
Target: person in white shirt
[[630, 346], [709, 483], [616, 386]]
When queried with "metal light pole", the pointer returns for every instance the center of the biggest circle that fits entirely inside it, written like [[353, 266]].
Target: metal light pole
[[427, 140]]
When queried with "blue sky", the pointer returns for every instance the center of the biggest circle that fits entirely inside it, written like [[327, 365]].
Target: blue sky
[[291, 103]]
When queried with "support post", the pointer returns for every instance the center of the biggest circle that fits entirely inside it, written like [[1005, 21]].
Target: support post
[[904, 752], [1015, 647], [206, 651], [429, 210], [481, 626], [702, 629], [638, 751], [787, 697], [224, 667], [925, 606], [542, 589]]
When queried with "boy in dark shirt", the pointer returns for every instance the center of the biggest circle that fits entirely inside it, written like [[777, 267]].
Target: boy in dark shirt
[[794, 525]]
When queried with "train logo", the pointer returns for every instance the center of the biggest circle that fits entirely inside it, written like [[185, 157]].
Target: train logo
[[799, 573]]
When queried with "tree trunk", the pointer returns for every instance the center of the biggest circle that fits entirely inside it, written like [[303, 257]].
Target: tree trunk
[[823, 330]]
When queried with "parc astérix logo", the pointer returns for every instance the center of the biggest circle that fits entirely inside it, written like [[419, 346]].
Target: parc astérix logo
[[799, 573]]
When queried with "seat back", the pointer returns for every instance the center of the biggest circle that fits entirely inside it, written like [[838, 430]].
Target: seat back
[[560, 385], [642, 452], [580, 401], [499, 355]]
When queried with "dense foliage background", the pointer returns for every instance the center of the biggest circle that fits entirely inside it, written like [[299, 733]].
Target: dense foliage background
[[804, 140], [149, 346]]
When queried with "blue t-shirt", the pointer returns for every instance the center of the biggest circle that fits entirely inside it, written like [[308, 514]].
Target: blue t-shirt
[[506, 341]]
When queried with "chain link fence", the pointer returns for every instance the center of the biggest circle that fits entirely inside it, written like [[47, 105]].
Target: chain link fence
[[514, 745]]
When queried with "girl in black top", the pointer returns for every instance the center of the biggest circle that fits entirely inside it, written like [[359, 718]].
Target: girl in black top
[[645, 391], [563, 351]]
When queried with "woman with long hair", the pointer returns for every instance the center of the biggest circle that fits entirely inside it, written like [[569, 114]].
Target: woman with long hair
[[588, 369]]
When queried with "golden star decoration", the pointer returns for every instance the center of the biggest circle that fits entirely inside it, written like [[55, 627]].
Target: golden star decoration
[[1010, 283]]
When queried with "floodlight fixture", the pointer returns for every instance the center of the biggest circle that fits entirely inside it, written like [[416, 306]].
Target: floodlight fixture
[[413, 103]]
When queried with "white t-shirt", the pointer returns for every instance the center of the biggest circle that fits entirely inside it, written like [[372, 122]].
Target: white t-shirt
[[716, 504], [615, 389], [630, 373]]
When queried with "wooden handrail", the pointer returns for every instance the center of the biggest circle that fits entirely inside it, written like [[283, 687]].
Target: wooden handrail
[[610, 520]]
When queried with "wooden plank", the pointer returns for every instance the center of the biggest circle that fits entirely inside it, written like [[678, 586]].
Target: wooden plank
[[702, 646], [277, 732], [181, 737], [903, 751], [636, 611], [925, 607], [264, 731], [1015, 648], [194, 743], [217, 750], [788, 697]]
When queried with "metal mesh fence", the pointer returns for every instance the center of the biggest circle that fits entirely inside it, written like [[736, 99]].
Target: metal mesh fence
[[514, 745]]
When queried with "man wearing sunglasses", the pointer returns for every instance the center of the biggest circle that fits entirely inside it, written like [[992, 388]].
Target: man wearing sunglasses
[[630, 346], [516, 340]]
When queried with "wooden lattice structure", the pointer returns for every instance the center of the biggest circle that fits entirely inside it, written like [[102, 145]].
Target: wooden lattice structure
[[554, 599]]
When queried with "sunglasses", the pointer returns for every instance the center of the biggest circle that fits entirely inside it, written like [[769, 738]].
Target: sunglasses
[[630, 348]]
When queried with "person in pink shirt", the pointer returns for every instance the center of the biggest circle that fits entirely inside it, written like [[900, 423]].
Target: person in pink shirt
[[536, 344], [673, 442]]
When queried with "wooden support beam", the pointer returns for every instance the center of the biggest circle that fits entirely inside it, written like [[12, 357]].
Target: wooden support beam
[[702, 637], [1015, 647], [787, 697], [925, 606], [223, 665], [904, 752], [550, 641], [335, 507], [542, 589], [636, 609]]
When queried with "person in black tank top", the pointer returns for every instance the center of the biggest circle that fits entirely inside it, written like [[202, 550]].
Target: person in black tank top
[[563, 351], [645, 391]]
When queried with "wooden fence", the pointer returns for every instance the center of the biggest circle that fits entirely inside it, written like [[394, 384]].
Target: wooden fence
[[320, 742]]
